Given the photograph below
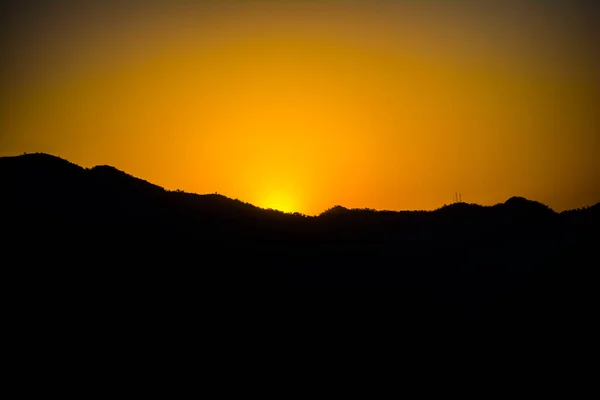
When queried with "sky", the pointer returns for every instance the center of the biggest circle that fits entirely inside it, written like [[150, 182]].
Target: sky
[[303, 105]]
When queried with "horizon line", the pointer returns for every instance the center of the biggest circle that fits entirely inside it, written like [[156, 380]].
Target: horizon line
[[178, 190]]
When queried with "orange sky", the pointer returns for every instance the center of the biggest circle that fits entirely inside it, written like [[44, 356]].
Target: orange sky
[[302, 105]]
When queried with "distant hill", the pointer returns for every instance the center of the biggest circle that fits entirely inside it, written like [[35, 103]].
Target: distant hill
[[101, 228]]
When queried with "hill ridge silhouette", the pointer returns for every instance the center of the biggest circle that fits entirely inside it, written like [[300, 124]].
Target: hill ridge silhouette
[[115, 173], [101, 229]]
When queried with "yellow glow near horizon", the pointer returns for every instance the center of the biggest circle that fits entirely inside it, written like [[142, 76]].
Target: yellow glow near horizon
[[299, 106], [280, 201]]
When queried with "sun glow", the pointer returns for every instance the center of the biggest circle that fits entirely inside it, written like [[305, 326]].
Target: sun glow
[[299, 106], [279, 200]]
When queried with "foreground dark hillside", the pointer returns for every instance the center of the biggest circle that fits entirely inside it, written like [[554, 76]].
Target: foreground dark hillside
[[102, 231]]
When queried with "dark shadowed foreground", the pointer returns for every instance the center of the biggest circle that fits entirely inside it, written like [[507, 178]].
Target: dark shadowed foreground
[[79, 235]]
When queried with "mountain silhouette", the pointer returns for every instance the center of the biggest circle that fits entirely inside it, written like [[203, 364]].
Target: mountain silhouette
[[100, 230]]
